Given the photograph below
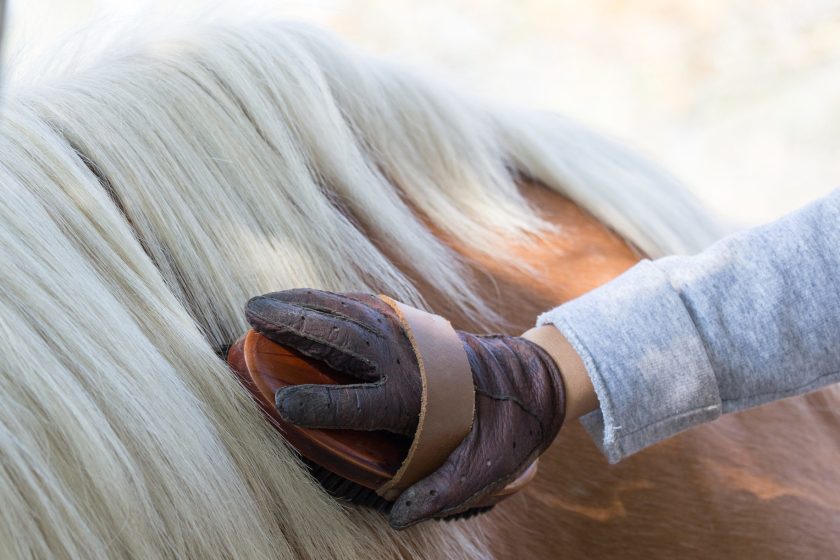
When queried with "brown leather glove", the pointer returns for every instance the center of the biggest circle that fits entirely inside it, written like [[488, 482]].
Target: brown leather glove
[[519, 406]]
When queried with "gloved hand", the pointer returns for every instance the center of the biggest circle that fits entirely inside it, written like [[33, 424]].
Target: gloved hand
[[519, 406]]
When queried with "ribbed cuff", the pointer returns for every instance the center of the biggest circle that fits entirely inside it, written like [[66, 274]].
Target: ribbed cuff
[[645, 358]]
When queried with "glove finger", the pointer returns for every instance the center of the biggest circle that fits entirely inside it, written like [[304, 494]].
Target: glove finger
[[440, 492], [362, 308], [343, 344], [355, 407], [466, 478]]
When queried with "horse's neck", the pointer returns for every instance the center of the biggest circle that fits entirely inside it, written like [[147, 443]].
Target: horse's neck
[[578, 256], [749, 485]]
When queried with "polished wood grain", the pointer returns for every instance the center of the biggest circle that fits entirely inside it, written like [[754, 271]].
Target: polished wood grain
[[367, 458]]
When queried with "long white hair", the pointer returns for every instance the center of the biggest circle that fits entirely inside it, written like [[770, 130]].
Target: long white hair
[[145, 198]]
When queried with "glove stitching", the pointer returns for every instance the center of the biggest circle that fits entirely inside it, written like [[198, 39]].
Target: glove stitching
[[333, 313], [516, 401], [278, 329]]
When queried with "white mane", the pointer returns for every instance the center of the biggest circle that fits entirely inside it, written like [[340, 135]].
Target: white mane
[[146, 198]]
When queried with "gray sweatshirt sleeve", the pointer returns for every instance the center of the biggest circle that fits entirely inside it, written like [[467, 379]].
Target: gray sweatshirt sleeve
[[681, 340]]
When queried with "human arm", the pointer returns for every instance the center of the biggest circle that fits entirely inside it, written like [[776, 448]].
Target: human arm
[[679, 341]]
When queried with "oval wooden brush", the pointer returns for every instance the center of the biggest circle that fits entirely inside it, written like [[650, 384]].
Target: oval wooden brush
[[349, 464]]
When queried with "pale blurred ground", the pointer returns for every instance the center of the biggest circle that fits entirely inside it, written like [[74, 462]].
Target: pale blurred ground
[[736, 97]]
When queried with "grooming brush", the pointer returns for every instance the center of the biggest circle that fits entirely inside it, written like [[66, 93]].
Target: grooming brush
[[350, 465]]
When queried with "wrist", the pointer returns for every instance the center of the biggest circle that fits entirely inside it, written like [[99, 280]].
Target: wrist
[[580, 394]]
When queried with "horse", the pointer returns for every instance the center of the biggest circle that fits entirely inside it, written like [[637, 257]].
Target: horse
[[149, 194]]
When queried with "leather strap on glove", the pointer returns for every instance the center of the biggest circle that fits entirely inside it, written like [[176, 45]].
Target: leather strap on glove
[[519, 392]]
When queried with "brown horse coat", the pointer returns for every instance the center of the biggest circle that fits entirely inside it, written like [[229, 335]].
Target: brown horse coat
[[762, 483]]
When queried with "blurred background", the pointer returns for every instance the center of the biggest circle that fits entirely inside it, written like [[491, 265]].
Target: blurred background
[[736, 97]]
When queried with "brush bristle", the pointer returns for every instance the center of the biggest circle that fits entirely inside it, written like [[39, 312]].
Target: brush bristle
[[347, 490]]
